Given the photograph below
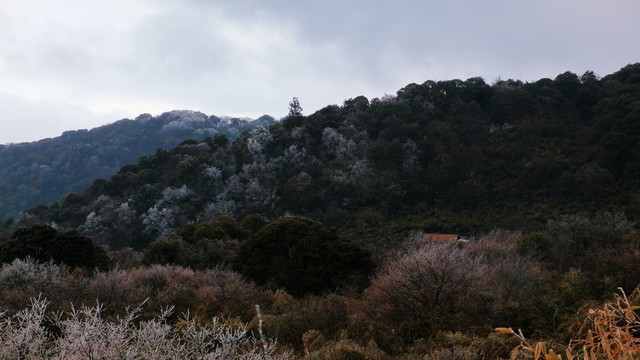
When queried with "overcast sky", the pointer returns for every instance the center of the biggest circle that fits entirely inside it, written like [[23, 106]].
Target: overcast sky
[[72, 64]]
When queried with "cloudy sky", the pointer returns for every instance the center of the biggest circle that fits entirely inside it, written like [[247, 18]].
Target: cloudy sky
[[71, 64]]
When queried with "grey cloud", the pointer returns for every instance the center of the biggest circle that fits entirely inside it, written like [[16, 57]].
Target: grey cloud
[[53, 118], [249, 57]]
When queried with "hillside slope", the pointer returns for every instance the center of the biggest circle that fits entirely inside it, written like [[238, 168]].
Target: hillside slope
[[44, 171], [447, 156]]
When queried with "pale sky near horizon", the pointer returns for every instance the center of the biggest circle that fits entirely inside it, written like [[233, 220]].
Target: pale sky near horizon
[[73, 64]]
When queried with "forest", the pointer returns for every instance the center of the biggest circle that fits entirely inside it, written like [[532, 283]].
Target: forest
[[42, 172], [322, 220]]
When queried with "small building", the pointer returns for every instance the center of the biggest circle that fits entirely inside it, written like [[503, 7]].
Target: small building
[[443, 237]]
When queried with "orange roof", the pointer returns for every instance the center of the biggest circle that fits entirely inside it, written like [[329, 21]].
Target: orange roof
[[441, 237]]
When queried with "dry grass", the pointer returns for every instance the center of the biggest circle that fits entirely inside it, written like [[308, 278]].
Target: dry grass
[[612, 334]]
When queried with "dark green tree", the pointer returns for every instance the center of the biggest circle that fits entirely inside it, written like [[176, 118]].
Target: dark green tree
[[198, 246], [301, 256], [44, 243], [294, 107]]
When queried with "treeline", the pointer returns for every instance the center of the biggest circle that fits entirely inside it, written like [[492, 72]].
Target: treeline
[[44, 171], [448, 156]]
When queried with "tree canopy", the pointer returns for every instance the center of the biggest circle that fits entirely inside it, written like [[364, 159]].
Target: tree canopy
[[301, 256], [44, 243]]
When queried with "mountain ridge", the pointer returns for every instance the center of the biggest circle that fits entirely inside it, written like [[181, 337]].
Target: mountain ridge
[[43, 171]]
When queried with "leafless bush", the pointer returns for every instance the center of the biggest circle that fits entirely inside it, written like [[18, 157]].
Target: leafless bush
[[23, 279], [509, 274], [84, 334], [426, 286], [207, 293]]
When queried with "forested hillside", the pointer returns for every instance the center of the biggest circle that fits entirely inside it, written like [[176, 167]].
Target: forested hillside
[[321, 220], [42, 172], [448, 156]]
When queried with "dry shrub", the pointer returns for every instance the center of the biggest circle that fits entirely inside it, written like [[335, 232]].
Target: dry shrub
[[346, 350], [496, 245], [508, 272], [23, 279], [206, 293], [292, 320], [613, 333], [423, 288]]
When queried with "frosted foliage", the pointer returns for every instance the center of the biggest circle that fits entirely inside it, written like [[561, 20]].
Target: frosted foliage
[[108, 219], [254, 146], [172, 194], [30, 275], [214, 178], [294, 157], [177, 125], [253, 169], [206, 131], [256, 194], [338, 145], [234, 184], [23, 336], [219, 208], [187, 115], [162, 216], [85, 334], [160, 220], [298, 132], [259, 137], [410, 157], [213, 173], [358, 173]]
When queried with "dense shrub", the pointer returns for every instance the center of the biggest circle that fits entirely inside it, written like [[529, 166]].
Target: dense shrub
[[425, 287], [23, 279], [205, 293], [609, 331], [44, 243], [301, 256], [198, 246]]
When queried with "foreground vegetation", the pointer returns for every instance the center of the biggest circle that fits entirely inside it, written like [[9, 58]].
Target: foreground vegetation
[[432, 300]]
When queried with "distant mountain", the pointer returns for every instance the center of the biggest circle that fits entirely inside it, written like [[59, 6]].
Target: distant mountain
[[448, 156], [44, 171]]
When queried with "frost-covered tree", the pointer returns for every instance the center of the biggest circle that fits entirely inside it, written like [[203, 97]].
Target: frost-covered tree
[[294, 157], [258, 139], [337, 144], [111, 224], [163, 218], [218, 208]]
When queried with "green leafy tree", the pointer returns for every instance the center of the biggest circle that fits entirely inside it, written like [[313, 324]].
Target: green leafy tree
[[198, 246], [301, 256], [294, 107], [44, 243]]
